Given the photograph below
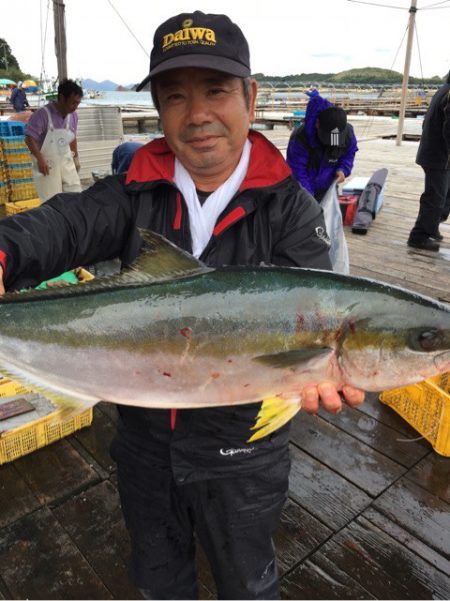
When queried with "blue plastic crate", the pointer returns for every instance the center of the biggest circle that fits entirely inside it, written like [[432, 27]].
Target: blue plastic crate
[[12, 128]]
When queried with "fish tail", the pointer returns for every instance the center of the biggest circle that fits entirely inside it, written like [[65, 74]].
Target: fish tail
[[274, 413]]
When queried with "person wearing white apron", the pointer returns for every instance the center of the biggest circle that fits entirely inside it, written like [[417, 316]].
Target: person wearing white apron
[[54, 164]]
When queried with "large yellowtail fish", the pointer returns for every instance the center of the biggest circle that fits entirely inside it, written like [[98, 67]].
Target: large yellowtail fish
[[173, 333]]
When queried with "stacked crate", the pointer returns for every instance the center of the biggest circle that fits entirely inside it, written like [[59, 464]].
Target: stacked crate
[[17, 190]]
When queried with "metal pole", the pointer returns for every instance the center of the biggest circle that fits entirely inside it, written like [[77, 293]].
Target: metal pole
[[60, 38], [401, 115]]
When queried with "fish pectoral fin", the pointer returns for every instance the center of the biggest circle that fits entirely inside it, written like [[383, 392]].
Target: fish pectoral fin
[[160, 259], [293, 358], [275, 412]]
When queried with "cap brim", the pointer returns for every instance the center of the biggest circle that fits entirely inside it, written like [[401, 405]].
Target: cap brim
[[332, 138], [203, 61]]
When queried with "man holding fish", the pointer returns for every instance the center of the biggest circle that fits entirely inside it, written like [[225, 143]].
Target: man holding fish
[[223, 193]]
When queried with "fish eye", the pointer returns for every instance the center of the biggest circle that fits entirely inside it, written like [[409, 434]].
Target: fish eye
[[426, 340]]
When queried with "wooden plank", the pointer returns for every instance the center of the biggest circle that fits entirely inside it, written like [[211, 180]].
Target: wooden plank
[[433, 474], [55, 472], [387, 416], [15, 407], [321, 579], [329, 497], [297, 536], [16, 497], [378, 436], [407, 539], [93, 520], [97, 439], [382, 565], [363, 466], [419, 512], [38, 560]]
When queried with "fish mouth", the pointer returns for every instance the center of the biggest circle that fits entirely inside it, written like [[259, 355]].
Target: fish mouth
[[442, 361]]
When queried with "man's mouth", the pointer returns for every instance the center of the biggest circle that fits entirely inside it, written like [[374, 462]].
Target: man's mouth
[[202, 141]]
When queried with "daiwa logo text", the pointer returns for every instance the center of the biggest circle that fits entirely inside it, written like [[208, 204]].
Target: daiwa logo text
[[231, 452], [189, 35]]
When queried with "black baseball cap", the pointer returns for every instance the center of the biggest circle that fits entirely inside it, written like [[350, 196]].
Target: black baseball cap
[[332, 126], [199, 40]]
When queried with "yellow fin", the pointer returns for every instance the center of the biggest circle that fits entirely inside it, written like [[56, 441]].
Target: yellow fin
[[274, 413]]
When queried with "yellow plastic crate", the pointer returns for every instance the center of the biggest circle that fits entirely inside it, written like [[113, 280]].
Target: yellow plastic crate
[[22, 191], [19, 206], [10, 388], [39, 433], [3, 193], [16, 156], [426, 407], [19, 171]]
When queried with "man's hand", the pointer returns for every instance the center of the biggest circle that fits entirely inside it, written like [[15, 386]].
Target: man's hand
[[340, 177], [43, 166], [2, 287], [327, 394]]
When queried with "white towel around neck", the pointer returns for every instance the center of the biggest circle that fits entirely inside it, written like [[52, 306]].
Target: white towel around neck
[[202, 218]]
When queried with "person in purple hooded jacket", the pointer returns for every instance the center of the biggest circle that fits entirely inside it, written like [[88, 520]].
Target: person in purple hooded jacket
[[323, 148]]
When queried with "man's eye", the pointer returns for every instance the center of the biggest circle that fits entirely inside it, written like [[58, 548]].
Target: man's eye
[[174, 97], [216, 91]]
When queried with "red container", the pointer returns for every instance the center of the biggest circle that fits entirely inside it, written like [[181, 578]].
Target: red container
[[348, 204]]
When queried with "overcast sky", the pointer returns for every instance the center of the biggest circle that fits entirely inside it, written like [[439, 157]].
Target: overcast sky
[[285, 37]]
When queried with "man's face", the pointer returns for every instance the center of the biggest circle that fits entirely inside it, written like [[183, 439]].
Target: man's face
[[70, 104], [205, 119]]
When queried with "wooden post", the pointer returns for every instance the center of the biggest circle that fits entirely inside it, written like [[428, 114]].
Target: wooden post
[[401, 115], [60, 38]]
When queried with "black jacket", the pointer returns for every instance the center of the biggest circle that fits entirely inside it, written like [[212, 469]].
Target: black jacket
[[434, 147], [270, 220]]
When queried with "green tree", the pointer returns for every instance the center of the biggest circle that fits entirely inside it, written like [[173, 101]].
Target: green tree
[[9, 66], [7, 59]]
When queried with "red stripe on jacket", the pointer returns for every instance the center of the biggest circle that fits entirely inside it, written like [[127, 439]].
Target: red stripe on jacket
[[233, 216], [178, 213], [3, 262]]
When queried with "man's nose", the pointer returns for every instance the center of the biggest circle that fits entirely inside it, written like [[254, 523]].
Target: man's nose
[[198, 109]]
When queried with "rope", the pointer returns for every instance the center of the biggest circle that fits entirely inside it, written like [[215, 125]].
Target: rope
[[128, 27], [398, 49], [43, 74], [420, 58], [435, 6], [376, 4]]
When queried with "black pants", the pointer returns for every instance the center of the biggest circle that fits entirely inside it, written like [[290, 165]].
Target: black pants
[[434, 204], [233, 518]]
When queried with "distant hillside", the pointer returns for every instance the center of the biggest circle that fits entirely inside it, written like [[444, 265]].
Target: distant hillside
[[101, 86], [367, 75]]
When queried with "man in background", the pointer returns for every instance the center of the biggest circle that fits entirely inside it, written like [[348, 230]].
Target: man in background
[[323, 148], [434, 158], [19, 98], [51, 138]]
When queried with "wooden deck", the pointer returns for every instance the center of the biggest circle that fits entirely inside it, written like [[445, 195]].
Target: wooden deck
[[368, 513]]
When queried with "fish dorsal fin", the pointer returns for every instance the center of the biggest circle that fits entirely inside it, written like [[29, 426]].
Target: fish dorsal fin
[[159, 259]]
